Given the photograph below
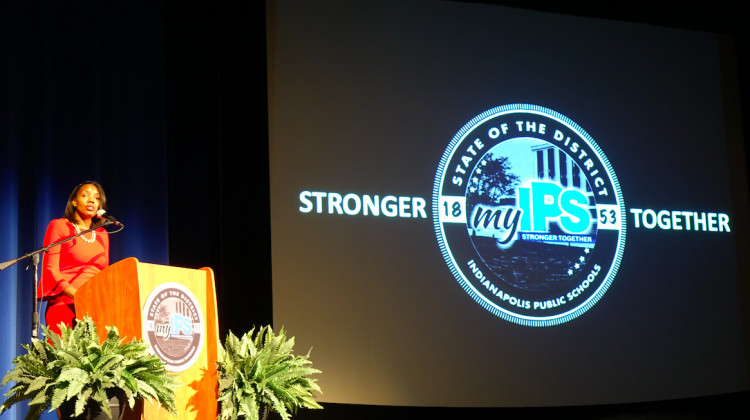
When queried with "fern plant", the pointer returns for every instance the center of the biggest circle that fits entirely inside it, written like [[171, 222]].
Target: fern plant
[[74, 367], [260, 372]]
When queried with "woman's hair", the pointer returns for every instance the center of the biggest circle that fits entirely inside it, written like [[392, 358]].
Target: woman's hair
[[70, 210]]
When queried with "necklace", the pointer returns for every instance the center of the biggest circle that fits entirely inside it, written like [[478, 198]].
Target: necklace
[[93, 235]]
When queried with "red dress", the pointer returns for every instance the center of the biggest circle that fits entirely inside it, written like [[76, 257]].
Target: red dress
[[69, 264]]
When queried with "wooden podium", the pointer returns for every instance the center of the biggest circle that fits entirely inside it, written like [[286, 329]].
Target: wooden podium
[[174, 310]]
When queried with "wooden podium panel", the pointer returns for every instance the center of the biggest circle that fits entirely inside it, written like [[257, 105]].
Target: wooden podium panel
[[174, 310]]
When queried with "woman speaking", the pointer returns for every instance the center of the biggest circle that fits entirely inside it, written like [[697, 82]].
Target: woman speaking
[[68, 266]]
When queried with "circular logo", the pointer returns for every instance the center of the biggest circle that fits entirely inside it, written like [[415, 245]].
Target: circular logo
[[174, 325], [529, 215]]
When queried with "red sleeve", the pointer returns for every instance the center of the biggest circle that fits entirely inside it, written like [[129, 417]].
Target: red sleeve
[[52, 282], [105, 243]]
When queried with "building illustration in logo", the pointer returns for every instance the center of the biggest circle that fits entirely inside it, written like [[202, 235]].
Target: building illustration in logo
[[529, 215]]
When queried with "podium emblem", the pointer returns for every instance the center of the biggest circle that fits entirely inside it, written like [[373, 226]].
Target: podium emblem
[[173, 325]]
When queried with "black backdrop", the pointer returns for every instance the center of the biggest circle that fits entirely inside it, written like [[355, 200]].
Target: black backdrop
[[218, 152], [207, 166]]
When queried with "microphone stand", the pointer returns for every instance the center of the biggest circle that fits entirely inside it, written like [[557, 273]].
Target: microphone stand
[[34, 255]]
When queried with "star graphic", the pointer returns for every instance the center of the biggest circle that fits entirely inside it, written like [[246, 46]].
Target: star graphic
[[582, 258]]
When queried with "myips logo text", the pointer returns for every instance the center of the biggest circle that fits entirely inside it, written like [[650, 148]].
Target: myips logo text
[[529, 215]]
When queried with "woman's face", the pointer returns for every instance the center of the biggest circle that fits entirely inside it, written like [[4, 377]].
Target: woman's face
[[86, 201]]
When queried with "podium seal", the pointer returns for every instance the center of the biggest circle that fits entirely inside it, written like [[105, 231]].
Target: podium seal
[[173, 325]]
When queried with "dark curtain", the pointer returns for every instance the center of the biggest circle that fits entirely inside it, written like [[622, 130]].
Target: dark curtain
[[218, 153], [165, 107]]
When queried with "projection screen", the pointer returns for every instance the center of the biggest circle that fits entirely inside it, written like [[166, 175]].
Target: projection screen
[[476, 205]]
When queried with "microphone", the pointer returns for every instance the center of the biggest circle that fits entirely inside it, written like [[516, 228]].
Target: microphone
[[104, 215]]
